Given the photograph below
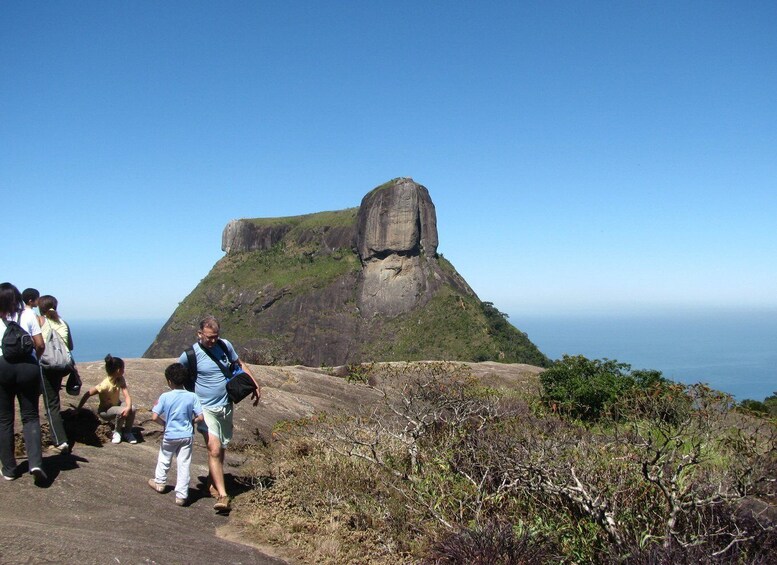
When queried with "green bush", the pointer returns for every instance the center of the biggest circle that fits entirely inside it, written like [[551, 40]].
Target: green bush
[[767, 407], [583, 388]]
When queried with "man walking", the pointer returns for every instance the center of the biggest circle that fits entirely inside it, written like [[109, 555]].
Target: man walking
[[212, 356]]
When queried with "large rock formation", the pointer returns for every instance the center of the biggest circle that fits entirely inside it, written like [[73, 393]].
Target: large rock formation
[[356, 285], [396, 240]]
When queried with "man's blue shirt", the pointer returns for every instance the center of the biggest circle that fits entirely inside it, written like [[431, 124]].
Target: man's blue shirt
[[211, 384]]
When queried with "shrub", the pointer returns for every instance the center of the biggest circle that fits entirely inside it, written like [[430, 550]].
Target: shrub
[[583, 388], [447, 471], [491, 544]]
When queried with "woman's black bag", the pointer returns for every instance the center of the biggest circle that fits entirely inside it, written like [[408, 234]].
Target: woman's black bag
[[73, 384]]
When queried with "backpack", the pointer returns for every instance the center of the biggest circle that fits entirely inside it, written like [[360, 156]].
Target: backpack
[[17, 343], [191, 362], [56, 356]]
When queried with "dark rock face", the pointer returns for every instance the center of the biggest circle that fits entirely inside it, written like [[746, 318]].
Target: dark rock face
[[242, 235], [397, 244], [397, 219], [334, 288]]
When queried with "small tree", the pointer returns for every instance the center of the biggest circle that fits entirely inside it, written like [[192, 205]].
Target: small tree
[[583, 388]]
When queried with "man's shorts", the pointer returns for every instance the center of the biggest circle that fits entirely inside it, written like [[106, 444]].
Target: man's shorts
[[218, 422]]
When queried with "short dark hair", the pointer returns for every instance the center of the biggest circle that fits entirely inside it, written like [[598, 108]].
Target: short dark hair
[[177, 374], [30, 295], [210, 322]]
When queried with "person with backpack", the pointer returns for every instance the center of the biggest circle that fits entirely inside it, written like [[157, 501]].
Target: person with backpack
[[54, 328], [211, 356], [22, 344]]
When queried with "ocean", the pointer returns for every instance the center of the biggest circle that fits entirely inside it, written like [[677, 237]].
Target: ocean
[[731, 351], [94, 339], [735, 352]]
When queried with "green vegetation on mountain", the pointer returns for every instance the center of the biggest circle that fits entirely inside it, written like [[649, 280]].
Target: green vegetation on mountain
[[295, 290], [453, 327], [298, 224]]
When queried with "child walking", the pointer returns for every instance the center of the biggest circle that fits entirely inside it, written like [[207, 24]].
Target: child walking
[[110, 390], [176, 410]]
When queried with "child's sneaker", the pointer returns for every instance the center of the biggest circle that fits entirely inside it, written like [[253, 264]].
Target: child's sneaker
[[116, 437], [159, 487], [61, 449], [180, 501], [129, 437], [39, 474]]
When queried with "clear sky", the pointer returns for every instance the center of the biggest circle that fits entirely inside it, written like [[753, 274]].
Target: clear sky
[[582, 156]]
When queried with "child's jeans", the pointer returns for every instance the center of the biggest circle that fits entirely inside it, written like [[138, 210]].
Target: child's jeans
[[122, 424], [182, 449]]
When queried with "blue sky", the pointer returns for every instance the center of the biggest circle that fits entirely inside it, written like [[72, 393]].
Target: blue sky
[[582, 156]]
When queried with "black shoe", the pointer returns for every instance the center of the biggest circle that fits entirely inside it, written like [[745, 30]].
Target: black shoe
[[39, 474]]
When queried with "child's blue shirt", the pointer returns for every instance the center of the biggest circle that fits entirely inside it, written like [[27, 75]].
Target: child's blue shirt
[[178, 407]]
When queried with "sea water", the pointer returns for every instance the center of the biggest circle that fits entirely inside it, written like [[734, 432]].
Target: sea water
[[731, 351], [735, 352], [94, 339]]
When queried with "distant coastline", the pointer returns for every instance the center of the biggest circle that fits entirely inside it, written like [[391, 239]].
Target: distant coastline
[[733, 351]]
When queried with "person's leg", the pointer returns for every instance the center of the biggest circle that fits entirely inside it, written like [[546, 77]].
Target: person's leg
[[129, 421], [183, 460], [216, 464], [52, 383], [7, 395], [219, 424], [113, 414], [28, 381], [166, 452]]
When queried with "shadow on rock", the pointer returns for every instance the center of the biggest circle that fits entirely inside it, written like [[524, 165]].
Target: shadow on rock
[[84, 426]]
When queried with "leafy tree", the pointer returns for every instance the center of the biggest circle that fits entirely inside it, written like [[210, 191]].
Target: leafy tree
[[771, 404], [766, 408], [583, 388]]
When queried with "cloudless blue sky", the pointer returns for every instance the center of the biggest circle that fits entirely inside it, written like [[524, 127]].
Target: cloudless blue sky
[[582, 156]]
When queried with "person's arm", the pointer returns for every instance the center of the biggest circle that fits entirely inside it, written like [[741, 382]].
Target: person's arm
[[198, 418], [91, 392], [38, 344], [69, 338], [127, 401], [29, 321], [158, 419], [258, 390]]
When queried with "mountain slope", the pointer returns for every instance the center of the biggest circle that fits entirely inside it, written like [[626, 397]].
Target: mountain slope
[[356, 285]]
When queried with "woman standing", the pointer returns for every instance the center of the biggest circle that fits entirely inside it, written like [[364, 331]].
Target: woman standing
[[20, 380], [52, 378]]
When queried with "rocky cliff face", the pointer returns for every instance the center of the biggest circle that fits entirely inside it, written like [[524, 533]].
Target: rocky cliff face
[[396, 240], [363, 284]]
